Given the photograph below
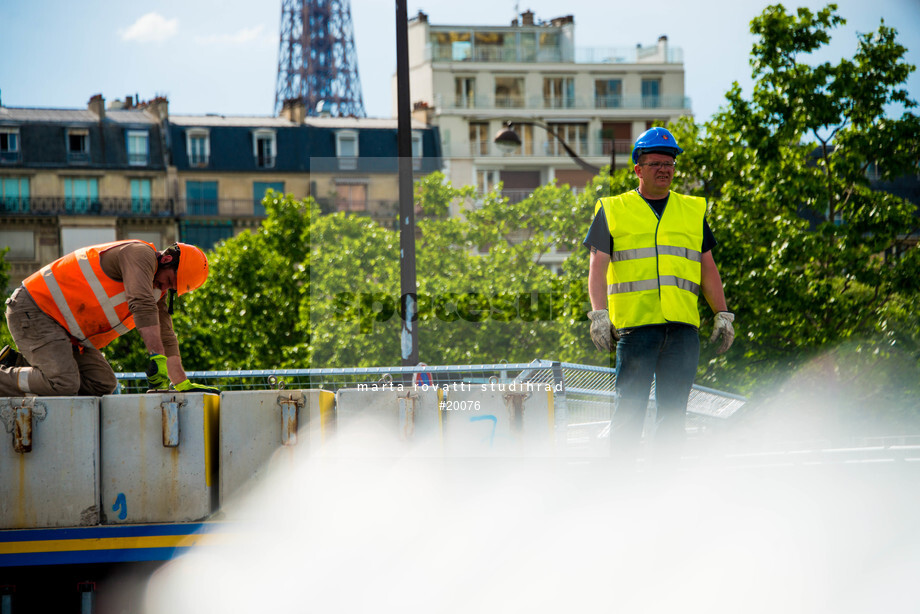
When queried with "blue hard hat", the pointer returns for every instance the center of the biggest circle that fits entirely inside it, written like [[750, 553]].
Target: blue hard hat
[[655, 140]]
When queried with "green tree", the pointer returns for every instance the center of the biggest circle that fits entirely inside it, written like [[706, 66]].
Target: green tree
[[5, 337], [806, 244]]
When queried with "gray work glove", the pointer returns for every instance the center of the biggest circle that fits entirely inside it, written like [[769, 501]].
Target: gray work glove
[[603, 333], [723, 326]]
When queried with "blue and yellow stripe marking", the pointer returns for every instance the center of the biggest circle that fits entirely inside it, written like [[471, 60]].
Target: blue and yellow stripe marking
[[101, 544]]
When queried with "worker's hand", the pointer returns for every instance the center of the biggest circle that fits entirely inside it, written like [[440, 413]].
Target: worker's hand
[[188, 386], [723, 326], [603, 332], [157, 378]]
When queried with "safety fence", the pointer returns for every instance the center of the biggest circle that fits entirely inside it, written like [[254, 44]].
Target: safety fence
[[583, 394]]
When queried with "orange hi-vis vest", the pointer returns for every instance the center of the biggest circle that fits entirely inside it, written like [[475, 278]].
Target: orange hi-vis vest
[[79, 296]]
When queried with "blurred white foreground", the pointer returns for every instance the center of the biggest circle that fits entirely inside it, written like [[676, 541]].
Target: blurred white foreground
[[365, 525]]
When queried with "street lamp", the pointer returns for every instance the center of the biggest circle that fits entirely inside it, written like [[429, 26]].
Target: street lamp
[[508, 140]]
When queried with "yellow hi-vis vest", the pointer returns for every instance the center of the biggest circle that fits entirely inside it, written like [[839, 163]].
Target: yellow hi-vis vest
[[654, 272]]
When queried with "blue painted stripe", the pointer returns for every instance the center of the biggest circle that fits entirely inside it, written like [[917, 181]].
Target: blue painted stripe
[[90, 556], [21, 535]]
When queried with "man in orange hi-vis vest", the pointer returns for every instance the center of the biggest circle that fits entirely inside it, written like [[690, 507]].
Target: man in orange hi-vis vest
[[63, 314]]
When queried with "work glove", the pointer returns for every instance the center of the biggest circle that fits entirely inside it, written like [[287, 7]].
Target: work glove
[[157, 378], [603, 333], [723, 326], [188, 386]]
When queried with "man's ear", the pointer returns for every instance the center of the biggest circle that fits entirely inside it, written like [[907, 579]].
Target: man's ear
[[164, 259]]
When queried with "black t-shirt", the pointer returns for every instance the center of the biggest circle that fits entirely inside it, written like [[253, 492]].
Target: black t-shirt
[[599, 234]]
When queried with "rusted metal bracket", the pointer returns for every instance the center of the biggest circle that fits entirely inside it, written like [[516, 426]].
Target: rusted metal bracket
[[290, 408], [407, 406], [514, 401], [170, 416], [19, 416]]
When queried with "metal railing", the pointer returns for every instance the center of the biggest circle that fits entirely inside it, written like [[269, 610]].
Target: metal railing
[[549, 148], [622, 101], [60, 205], [583, 392]]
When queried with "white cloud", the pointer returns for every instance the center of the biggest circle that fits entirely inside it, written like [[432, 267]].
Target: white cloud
[[151, 28], [242, 37]]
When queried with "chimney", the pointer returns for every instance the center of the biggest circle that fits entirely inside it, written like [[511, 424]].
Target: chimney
[[97, 106], [129, 101], [158, 107], [422, 17], [527, 18], [294, 110], [422, 111]]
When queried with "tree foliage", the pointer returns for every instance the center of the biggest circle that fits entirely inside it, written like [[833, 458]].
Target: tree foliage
[[812, 256]]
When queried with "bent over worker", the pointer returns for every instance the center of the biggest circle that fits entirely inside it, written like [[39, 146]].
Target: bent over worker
[[650, 259], [63, 314]]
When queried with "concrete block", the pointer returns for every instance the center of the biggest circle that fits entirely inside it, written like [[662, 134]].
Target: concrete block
[[49, 462]]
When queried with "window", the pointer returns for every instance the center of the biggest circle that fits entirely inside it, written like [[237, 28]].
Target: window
[[198, 145], [574, 135], [509, 92], [20, 242], [651, 93], [137, 147], [559, 92], [140, 196], [486, 180], [263, 148], [350, 196], [14, 194], [259, 188], [201, 198], [81, 195], [416, 150], [9, 145], [479, 138], [608, 93], [346, 149], [525, 132], [618, 136], [77, 145], [205, 234], [465, 92]]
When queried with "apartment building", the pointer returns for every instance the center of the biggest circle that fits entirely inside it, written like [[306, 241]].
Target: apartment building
[[73, 177], [76, 177], [597, 100]]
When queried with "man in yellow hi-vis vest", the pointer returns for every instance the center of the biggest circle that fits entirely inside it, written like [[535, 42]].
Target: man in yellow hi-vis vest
[[651, 257]]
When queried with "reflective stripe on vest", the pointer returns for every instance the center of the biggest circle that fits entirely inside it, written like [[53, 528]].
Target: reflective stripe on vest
[[77, 294], [654, 273]]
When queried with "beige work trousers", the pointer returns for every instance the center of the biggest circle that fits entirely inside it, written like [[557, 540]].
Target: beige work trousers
[[55, 366]]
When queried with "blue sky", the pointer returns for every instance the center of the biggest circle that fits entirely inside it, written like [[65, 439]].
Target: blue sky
[[221, 56]]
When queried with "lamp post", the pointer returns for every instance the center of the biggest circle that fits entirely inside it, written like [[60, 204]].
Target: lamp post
[[408, 301], [508, 140]]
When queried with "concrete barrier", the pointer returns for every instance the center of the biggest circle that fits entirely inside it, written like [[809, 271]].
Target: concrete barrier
[[49, 462], [159, 457], [499, 419], [409, 416], [260, 428]]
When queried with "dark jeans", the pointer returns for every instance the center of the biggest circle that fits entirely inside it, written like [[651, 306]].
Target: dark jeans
[[670, 353]]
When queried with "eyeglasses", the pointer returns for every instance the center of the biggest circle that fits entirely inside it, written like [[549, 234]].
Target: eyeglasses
[[657, 165]]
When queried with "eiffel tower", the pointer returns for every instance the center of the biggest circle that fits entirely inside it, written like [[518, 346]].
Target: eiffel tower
[[317, 62]]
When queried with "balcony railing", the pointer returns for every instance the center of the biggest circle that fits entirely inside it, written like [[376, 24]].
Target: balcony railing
[[9, 157], [554, 54], [59, 205], [623, 101], [548, 148]]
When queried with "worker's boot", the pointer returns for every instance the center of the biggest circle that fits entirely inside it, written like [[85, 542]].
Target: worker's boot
[[9, 357]]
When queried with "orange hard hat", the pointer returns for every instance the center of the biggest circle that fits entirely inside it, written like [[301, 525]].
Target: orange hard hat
[[193, 268]]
